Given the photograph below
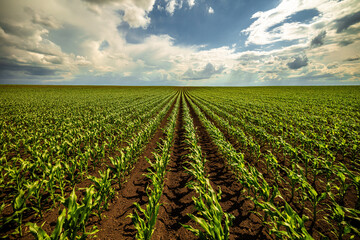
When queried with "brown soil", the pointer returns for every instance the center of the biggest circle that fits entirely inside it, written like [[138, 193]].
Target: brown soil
[[321, 225], [177, 198], [117, 224], [246, 224], [50, 213]]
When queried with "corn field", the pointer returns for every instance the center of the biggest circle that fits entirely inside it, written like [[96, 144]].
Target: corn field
[[179, 163]]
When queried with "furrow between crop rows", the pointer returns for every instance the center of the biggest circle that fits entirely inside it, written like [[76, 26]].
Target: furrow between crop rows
[[179, 163], [177, 198], [308, 200], [246, 224], [118, 224]]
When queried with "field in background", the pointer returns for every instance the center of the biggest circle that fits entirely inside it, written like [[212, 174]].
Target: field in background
[[222, 163]]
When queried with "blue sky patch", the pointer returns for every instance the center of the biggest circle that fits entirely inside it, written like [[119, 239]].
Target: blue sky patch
[[304, 16], [180, 42], [196, 26]]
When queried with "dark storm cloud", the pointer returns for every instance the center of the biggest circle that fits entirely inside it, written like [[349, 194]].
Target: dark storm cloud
[[352, 59], [17, 30], [206, 73], [298, 62], [345, 22], [345, 42], [318, 40], [11, 68]]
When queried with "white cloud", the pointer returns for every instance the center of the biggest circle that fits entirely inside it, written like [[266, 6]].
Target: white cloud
[[135, 11], [211, 10], [191, 3], [170, 7], [259, 33], [26, 29]]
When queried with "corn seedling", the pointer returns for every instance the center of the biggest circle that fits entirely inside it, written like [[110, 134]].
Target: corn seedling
[[339, 215], [145, 227], [212, 219], [104, 191], [72, 219], [119, 167]]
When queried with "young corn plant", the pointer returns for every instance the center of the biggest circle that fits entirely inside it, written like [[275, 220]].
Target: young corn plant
[[16, 178], [145, 227], [71, 223], [57, 234], [212, 219], [37, 198], [19, 206], [60, 179], [284, 223], [272, 212], [314, 197], [355, 179], [50, 181], [97, 153], [214, 222], [294, 178], [344, 185], [274, 166], [340, 215], [78, 214], [158, 167], [295, 225], [306, 160], [156, 173], [316, 168], [104, 191], [119, 167], [71, 170]]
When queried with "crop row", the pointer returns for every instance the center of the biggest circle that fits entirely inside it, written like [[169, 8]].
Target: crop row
[[278, 215], [145, 225], [294, 157], [215, 223], [296, 178], [316, 126], [36, 181]]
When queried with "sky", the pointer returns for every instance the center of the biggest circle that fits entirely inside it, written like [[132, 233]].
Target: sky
[[180, 42]]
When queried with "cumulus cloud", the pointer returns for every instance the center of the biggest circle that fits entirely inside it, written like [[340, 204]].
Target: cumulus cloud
[[294, 20], [26, 49], [261, 30], [318, 40], [135, 11], [191, 3], [211, 10], [170, 7], [93, 46], [298, 62], [207, 72]]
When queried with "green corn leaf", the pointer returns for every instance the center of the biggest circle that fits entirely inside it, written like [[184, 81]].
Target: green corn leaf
[[59, 225], [38, 232]]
